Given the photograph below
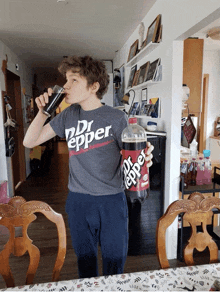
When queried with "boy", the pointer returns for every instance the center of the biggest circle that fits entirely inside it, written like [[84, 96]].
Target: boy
[[96, 203]]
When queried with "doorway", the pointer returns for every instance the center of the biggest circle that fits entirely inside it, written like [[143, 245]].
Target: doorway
[[13, 89]]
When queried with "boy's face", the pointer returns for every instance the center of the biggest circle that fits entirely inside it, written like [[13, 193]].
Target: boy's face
[[76, 88]]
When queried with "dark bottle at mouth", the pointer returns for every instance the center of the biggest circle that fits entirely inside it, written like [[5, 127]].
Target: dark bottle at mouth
[[54, 100]]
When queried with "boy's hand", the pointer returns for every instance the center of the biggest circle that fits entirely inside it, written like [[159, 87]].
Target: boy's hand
[[149, 155], [43, 99]]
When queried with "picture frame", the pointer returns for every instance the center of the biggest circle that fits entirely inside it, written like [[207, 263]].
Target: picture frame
[[159, 34], [131, 76], [144, 94], [158, 74], [143, 107], [151, 110], [133, 50], [136, 75], [143, 72], [134, 108], [153, 31], [152, 70], [147, 108], [138, 110], [154, 110]]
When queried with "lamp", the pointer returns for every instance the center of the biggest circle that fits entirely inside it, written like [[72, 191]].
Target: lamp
[[125, 100], [214, 33]]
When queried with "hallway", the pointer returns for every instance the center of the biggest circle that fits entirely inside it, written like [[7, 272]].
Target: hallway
[[52, 189]]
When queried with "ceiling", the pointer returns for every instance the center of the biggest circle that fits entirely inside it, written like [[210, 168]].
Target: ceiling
[[209, 44], [41, 32]]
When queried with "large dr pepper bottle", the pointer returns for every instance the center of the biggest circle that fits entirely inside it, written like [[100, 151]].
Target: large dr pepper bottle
[[135, 171]]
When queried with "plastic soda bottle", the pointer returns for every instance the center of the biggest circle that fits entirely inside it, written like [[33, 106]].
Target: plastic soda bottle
[[184, 172], [207, 167], [200, 172], [193, 171], [193, 148], [189, 173], [135, 171]]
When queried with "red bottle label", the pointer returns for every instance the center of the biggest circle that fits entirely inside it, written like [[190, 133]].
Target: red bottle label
[[136, 177]]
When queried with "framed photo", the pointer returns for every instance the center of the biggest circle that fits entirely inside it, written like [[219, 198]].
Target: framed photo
[[131, 76], [135, 81], [158, 74], [133, 50], [134, 108], [154, 110], [147, 108], [138, 110], [151, 110], [153, 31], [159, 34], [143, 107], [143, 72], [144, 94], [152, 70]]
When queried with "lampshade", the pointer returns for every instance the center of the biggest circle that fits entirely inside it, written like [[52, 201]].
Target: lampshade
[[125, 98], [214, 33]]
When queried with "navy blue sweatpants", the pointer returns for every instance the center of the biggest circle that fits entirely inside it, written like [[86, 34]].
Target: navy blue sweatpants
[[98, 219]]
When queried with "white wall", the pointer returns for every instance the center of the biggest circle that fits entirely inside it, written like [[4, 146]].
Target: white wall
[[26, 81], [211, 66], [180, 19]]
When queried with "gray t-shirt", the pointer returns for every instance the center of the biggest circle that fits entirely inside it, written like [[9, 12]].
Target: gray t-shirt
[[94, 143]]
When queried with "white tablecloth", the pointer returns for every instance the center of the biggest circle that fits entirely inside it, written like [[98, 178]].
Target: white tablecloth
[[192, 278]]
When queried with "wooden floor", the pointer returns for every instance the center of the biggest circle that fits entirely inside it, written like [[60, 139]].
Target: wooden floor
[[52, 189]]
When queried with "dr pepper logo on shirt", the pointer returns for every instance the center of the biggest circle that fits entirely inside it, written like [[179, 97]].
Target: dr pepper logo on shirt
[[135, 172], [79, 138]]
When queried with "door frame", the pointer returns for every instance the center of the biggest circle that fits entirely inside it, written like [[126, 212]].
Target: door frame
[[19, 118], [203, 113]]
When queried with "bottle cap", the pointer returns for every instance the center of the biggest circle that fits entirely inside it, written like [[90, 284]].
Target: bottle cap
[[132, 120], [206, 153]]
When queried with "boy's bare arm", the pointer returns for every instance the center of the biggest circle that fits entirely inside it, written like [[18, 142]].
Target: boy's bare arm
[[37, 133]]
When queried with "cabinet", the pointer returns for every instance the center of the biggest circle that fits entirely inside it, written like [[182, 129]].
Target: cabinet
[[135, 61], [192, 73]]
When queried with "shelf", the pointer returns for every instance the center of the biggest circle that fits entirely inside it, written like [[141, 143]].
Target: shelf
[[201, 189], [144, 52], [145, 84], [144, 116]]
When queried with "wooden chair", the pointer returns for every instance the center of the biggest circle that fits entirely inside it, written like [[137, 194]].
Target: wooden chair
[[19, 213], [198, 211]]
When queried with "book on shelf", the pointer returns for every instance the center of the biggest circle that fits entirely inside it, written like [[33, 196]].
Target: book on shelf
[[135, 109]]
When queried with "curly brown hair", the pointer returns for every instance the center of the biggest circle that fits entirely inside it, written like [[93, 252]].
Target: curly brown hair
[[92, 69]]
